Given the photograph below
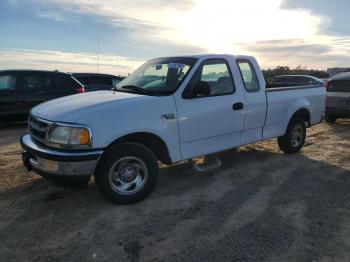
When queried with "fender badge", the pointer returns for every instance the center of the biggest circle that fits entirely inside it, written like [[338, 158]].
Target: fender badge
[[167, 116]]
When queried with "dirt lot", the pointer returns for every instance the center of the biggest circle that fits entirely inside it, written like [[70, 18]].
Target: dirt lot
[[260, 205]]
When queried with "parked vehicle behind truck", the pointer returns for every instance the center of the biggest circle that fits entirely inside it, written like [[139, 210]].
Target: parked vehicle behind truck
[[295, 80], [21, 90], [338, 97], [170, 110]]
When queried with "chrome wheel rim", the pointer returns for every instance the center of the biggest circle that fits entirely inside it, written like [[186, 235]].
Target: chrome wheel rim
[[128, 175], [297, 135]]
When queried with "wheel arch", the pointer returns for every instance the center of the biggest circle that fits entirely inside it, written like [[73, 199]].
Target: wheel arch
[[153, 142], [302, 113]]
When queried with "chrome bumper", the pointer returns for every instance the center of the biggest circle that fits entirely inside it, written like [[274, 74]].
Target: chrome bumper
[[57, 162]]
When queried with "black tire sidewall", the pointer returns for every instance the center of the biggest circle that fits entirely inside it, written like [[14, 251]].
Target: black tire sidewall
[[285, 142], [116, 152]]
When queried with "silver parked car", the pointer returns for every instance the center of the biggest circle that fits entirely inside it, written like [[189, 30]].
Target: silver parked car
[[338, 97]]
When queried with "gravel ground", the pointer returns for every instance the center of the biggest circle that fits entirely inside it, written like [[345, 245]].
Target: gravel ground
[[260, 205]]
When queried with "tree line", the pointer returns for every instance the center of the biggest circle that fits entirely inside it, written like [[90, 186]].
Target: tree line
[[299, 70]]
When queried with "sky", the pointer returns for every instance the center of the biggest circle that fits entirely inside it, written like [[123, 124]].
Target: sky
[[117, 36]]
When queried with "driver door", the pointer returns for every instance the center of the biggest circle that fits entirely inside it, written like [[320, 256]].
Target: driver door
[[211, 123]]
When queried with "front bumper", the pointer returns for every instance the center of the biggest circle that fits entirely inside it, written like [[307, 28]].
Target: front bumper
[[44, 160]]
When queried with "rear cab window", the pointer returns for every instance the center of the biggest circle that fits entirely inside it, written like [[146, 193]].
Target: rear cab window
[[249, 76]]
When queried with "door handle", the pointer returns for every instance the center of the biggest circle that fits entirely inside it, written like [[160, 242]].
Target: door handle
[[237, 106]]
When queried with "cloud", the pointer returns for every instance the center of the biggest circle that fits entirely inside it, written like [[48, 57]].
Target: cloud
[[288, 32], [202, 23], [53, 16], [336, 11], [121, 13], [316, 53], [66, 61]]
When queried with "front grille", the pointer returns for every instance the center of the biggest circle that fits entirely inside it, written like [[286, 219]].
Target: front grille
[[38, 128]]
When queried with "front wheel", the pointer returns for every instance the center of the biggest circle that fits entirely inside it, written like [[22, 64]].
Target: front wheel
[[128, 173], [294, 138]]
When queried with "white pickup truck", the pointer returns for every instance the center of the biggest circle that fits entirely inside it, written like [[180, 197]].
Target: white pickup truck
[[169, 110]]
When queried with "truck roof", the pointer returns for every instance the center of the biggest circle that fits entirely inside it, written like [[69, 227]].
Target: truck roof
[[215, 55]]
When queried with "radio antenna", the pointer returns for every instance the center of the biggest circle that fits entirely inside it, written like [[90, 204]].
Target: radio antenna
[[98, 56]]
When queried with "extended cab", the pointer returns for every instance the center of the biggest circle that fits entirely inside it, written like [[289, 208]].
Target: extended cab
[[170, 110]]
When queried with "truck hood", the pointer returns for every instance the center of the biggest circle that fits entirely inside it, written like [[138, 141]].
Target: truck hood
[[71, 108]]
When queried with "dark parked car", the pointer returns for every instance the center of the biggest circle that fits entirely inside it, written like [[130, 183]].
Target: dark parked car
[[294, 80], [338, 97], [95, 82], [20, 90]]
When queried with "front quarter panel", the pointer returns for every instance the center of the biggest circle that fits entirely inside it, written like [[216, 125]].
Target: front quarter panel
[[155, 115]]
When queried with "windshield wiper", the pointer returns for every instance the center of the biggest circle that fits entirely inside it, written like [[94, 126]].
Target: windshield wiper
[[133, 88]]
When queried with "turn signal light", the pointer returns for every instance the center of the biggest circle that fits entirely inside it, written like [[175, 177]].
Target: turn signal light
[[84, 137]]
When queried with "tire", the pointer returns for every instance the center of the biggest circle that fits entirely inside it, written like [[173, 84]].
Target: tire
[[294, 138], [128, 173], [330, 118]]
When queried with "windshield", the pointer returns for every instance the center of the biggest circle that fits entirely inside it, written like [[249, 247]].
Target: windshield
[[160, 76]]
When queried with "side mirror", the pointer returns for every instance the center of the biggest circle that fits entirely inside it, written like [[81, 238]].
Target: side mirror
[[201, 89]]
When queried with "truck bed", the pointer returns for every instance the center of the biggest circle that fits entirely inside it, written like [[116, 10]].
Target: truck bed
[[282, 103]]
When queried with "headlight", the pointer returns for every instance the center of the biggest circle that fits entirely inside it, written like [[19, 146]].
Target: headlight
[[67, 135]]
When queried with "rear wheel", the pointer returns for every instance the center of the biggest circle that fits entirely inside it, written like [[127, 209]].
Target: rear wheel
[[128, 173], [330, 118], [294, 138]]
